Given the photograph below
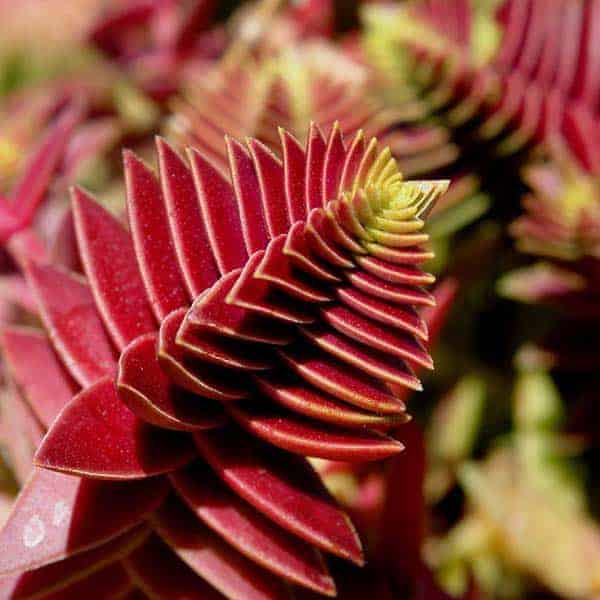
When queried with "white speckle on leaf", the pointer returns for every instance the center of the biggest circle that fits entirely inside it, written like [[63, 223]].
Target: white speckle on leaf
[[61, 513], [34, 532]]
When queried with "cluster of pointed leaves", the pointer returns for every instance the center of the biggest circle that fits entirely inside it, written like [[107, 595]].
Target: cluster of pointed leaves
[[560, 226], [389, 503], [562, 214], [35, 179], [423, 146], [316, 82], [241, 325], [541, 85]]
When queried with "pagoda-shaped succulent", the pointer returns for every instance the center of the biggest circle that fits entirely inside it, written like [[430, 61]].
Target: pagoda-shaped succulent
[[243, 323], [559, 228], [509, 74], [286, 87]]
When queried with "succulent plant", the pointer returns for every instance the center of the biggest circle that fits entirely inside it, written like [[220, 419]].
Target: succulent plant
[[559, 228], [521, 91], [239, 327], [157, 42], [289, 87]]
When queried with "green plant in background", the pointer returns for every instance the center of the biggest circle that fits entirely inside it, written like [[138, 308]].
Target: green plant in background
[[527, 521]]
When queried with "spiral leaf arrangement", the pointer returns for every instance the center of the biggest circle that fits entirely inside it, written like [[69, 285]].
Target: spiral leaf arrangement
[[536, 85], [241, 325]]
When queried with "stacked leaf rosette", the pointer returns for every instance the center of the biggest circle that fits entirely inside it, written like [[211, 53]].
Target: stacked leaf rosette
[[243, 323]]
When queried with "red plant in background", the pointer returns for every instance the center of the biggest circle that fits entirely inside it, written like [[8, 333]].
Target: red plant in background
[[285, 88], [158, 40], [18, 210], [540, 85], [176, 459]]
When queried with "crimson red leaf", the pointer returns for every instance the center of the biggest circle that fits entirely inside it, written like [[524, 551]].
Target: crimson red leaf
[[211, 558], [98, 436], [277, 268], [315, 158], [283, 487], [294, 164], [220, 214], [272, 189], [377, 364], [70, 316], [248, 531], [340, 380], [57, 576], [212, 312], [333, 164], [161, 575], [185, 219], [32, 187], [210, 381], [352, 163], [57, 516], [377, 336], [223, 351], [257, 296], [36, 371], [109, 261], [311, 438], [151, 395], [248, 195], [290, 391], [398, 317], [395, 293], [152, 239]]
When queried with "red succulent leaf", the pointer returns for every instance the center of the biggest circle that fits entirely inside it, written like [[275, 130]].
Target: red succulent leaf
[[220, 214], [69, 314], [37, 372], [159, 574], [58, 576], [29, 192], [209, 381], [108, 258], [270, 174], [248, 195], [315, 158], [150, 394], [97, 435], [301, 436], [187, 229], [288, 390], [59, 515], [212, 558], [294, 164], [248, 531], [283, 487], [156, 255]]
